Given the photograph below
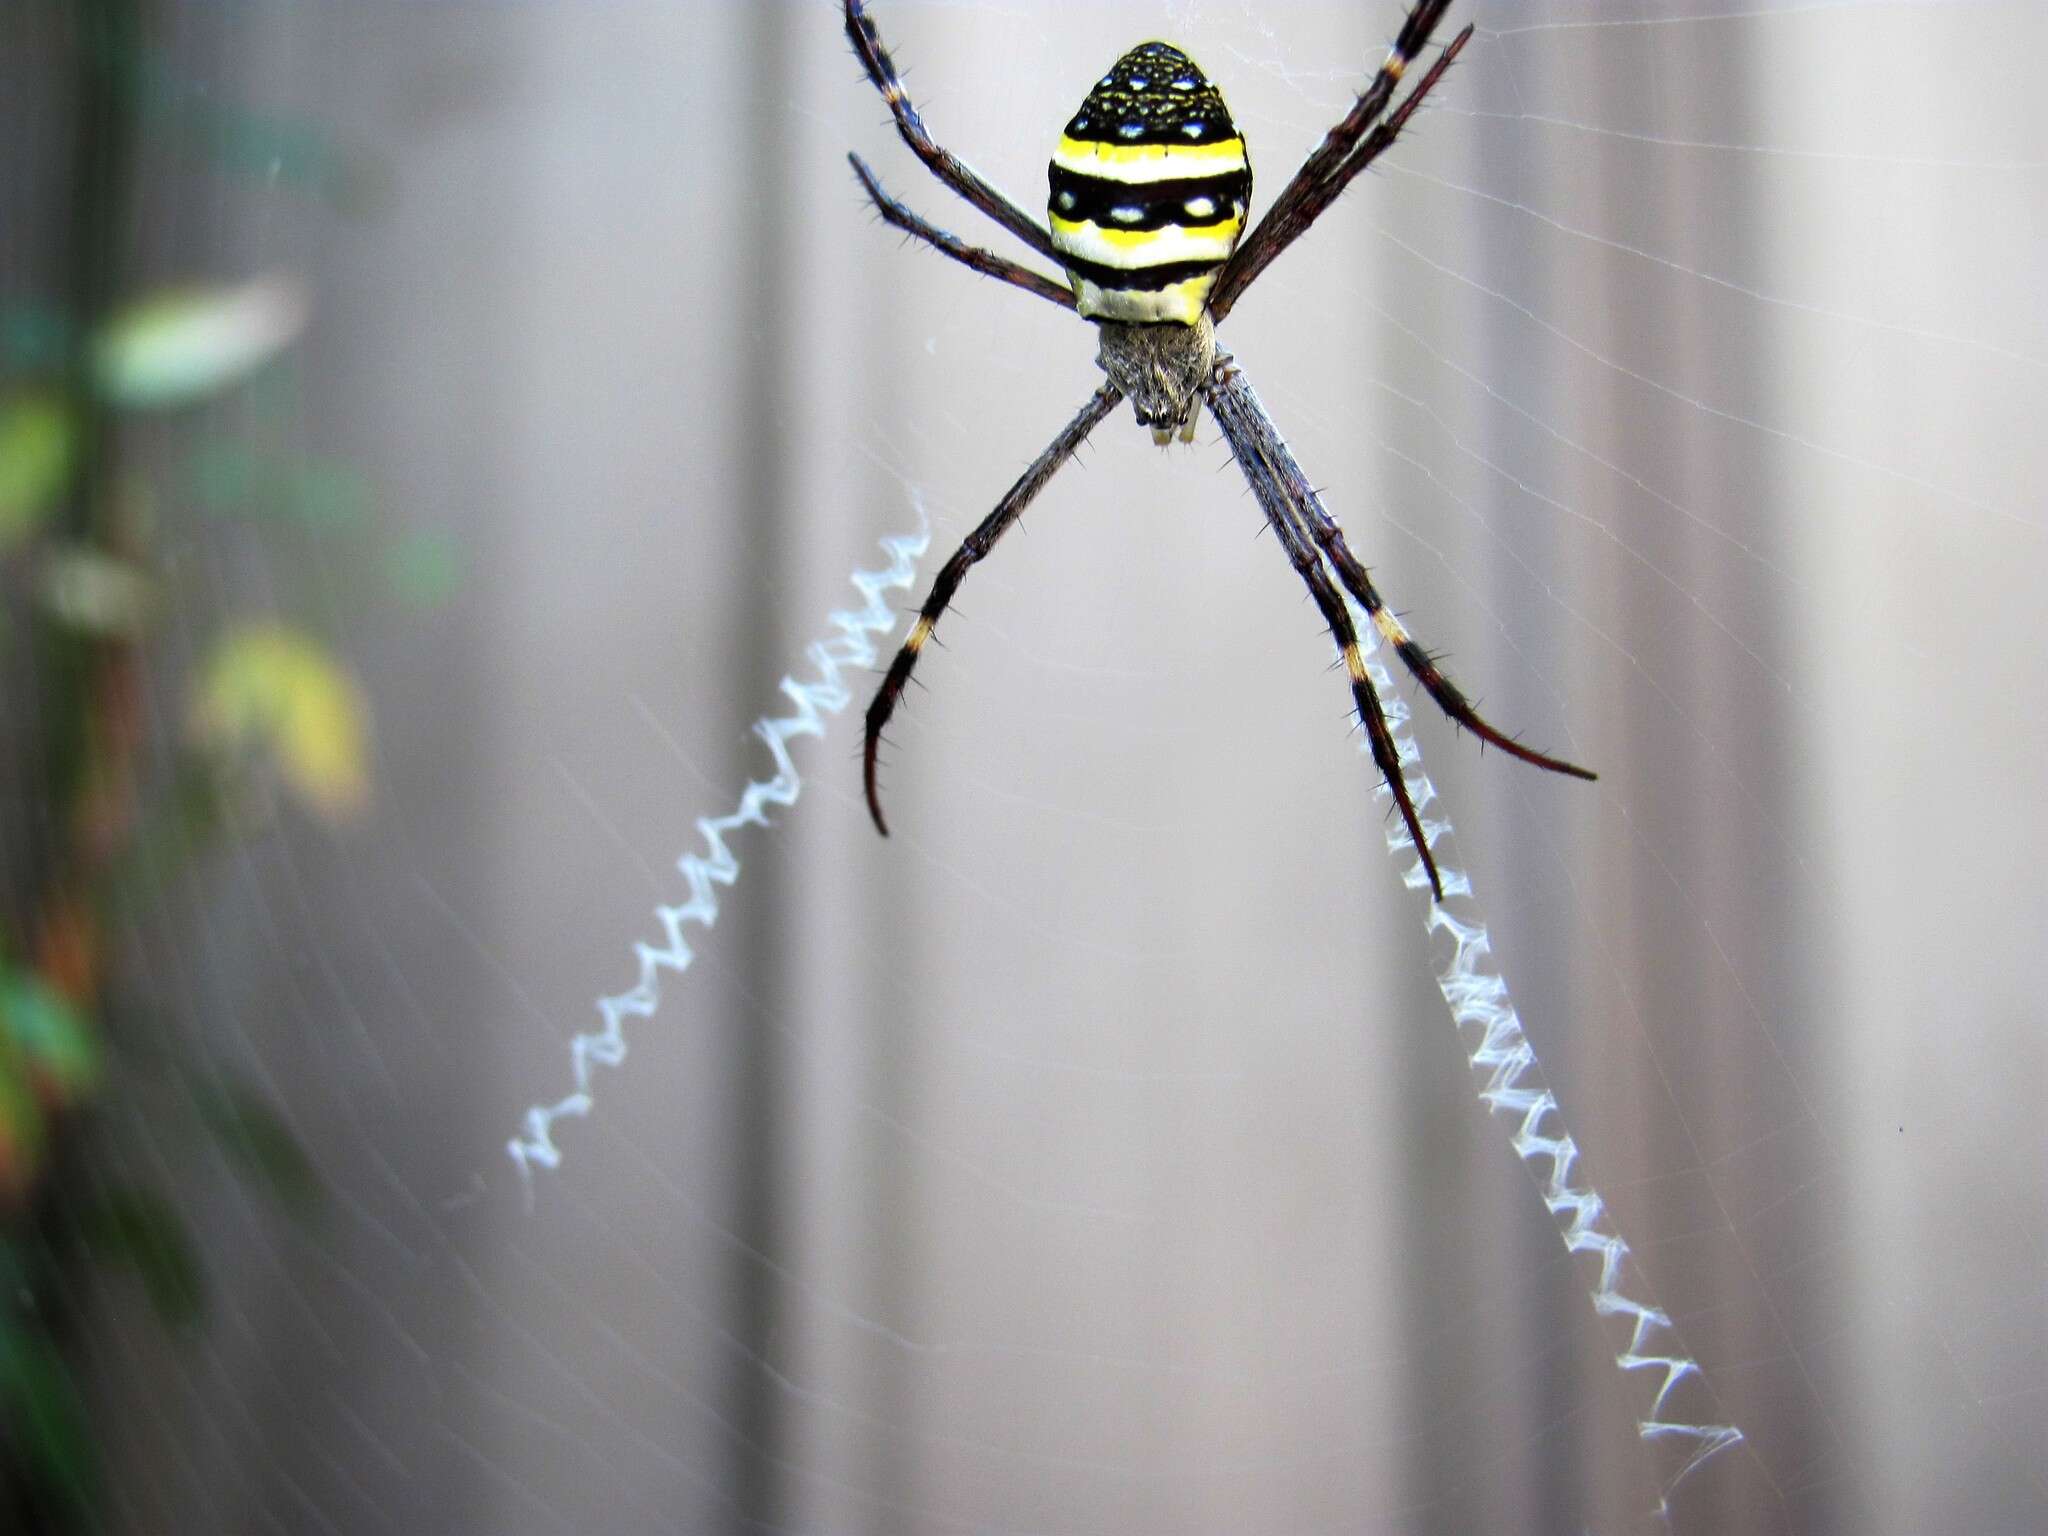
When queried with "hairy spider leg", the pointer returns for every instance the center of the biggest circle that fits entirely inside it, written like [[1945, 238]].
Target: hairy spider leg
[[988, 263], [1150, 183], [1357, 580], [1238, 412], [1347, 149], [971, 552], [941, 162], [1448, 696]]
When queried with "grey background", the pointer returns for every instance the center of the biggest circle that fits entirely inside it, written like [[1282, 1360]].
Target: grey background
[[1095, 1155]]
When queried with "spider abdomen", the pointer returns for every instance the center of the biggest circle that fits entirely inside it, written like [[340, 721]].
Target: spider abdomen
[[1149, 189]]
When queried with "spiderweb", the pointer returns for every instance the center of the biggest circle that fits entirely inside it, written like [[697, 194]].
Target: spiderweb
[[1091, 1155]]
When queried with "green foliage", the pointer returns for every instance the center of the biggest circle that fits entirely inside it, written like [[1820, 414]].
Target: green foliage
[[96, 594], [37, 442], [229, 478], [48, 1436], [270, 695], [179, 348], [34, 339], [137, 1230], [424, 569], [48, 1039], [266, 701], [50, 1060], [24, 1131], [263, 1147]]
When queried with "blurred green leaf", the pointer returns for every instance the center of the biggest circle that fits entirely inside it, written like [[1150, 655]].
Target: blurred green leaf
[[222, 476], [271, 691], [329, 495], [180, 347], [277, 149], [424, 568], [228, 478], [141, 1232], [95, 593], [50, 1037], [251, 1134], [23, 1130], [284, 152], [20, 1267], [37, 441], [34, 338], [44, 1414]]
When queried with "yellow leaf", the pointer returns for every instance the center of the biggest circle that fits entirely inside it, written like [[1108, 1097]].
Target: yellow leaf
[[270, 692], [36, 444]]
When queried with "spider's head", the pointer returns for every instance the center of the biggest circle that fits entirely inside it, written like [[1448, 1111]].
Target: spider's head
[[1161, 370]]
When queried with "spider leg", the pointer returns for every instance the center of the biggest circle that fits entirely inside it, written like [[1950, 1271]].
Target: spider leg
[[1449, 698], [941, 162], [985, 262], [1347, 149], [1259, 450], [1358, 581], [975, 548]]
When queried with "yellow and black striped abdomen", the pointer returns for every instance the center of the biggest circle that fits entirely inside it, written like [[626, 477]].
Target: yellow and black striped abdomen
[[1149, 189]]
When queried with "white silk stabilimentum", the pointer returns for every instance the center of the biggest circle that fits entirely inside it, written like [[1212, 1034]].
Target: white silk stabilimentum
[[825, 694], [1511, 1083]]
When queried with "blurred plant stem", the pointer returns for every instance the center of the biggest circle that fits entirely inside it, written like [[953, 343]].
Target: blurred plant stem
[[90, 711], [91, 687]]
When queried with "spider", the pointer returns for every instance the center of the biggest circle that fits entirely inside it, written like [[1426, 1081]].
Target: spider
[[1149, 189]]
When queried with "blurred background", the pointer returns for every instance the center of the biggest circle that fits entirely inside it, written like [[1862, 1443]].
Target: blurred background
[[430, 432]]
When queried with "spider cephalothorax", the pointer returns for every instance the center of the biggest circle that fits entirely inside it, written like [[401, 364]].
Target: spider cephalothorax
[[1149, 188], [1162, 370]]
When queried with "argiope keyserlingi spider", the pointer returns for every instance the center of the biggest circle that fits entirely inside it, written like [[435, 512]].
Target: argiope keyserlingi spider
[[1150, 184]]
